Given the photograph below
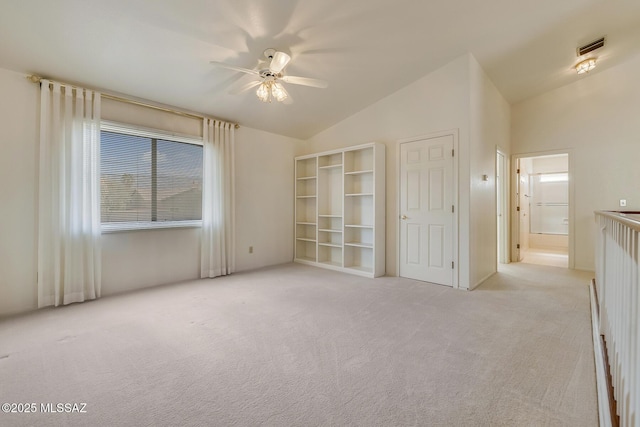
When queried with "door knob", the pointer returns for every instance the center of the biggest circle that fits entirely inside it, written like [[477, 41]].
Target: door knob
[[403, 217]]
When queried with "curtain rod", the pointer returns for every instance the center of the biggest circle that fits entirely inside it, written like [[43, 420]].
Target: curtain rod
[[37, 79]]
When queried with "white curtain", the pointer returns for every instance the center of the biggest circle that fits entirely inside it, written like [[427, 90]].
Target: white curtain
[[218, 200], [69, 265]]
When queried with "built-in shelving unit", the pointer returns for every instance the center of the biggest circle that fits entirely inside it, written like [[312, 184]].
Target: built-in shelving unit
[[340, 209], [306, 210]]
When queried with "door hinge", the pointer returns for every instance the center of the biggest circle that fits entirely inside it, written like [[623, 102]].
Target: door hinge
[[452, 264], [518, 209], [517, 170], [453, 152], [453, 208], [518, 246]]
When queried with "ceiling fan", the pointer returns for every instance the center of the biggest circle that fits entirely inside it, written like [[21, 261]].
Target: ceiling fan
[[270, 79]]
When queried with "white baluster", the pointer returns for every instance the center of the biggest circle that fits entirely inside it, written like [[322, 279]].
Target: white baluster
[[618, 292]]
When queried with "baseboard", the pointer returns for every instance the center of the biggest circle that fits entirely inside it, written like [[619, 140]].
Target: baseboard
[[602, 385]]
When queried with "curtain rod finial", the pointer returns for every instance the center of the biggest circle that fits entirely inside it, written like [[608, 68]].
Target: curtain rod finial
[[237, 126], [33, 78]]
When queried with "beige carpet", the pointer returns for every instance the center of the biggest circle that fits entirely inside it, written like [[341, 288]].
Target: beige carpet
[[548, 257], [300, 346]]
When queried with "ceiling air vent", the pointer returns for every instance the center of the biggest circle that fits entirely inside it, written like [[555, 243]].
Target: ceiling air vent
[[597, 44]]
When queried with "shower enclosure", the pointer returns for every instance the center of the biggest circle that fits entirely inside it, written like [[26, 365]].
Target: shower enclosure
[[549, 203]]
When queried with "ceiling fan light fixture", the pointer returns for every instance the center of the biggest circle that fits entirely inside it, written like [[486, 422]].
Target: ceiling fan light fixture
[[269, 79], [278, 62], [263, 92], [269, 90], [586, 66], [278, 92]]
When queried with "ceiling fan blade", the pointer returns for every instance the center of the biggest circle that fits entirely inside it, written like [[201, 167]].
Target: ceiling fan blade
[[233, 67], [245, 87], [305, 81], [278, 62]]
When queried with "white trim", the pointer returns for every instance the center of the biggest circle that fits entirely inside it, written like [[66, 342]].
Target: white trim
[[454, 198], [506, 181], [514, 252], [572, 220], [128, 129], [115, 227]]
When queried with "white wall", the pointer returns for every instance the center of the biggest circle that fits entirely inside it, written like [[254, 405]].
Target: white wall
[[490, 128], [18, 200], [264, 198], [597, 118], [436, 102], [137, 259], [458, 96], [140, 259], [550, 164]]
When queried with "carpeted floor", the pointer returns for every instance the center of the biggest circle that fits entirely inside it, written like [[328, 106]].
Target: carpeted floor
[[299, 346]]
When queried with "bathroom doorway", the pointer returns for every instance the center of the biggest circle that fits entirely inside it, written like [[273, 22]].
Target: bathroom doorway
[[543, 210]]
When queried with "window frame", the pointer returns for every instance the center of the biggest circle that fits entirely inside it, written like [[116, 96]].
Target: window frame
[[133, 130]]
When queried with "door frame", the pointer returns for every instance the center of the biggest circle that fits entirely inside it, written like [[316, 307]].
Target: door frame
[[515, 215], [504, 201], [454, 197]]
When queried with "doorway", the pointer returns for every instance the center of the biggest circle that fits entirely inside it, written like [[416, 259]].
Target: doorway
[[502, 206], [543, 210]]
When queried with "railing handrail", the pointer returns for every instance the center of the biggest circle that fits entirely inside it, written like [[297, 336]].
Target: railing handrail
[[629, 218]]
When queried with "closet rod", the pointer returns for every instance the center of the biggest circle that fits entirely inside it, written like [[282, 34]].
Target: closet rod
[[38, 79]]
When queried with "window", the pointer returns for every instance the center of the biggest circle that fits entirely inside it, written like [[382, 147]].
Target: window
[[148, 179], [554, 177]]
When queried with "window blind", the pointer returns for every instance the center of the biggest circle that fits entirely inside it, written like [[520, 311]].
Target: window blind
[[145, 179]]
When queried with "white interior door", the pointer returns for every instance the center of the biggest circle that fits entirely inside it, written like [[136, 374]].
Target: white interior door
[[426, 210]]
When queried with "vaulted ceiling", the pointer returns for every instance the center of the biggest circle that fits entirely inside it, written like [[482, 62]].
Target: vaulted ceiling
[[365, 49]]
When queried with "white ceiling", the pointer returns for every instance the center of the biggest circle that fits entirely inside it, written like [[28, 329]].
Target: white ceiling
[[365, 49]]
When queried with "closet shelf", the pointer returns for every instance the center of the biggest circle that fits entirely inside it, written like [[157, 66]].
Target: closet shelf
[[331, 245], [358, 194], [358, 172], [329, 230], [304, 178], [359, 245]]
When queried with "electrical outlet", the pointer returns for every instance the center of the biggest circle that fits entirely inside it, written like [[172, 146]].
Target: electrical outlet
[[623, 202], [250, 249]]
